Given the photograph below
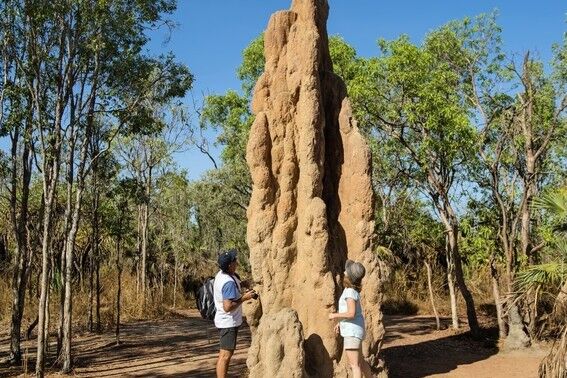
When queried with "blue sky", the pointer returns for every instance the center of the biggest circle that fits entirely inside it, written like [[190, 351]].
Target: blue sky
[[211, 34]]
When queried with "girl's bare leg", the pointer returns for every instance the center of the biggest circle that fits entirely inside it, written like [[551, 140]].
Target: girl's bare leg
[[354, 358]]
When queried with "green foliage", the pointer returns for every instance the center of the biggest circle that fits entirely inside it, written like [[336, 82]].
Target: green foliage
[[230, 115], [548, 276], [559, 64], [252, 65], [554, 228], [555, 203], [423, 105], [218, 208], [479, 239]]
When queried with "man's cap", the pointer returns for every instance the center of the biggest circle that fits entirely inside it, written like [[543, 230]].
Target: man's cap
[[355, 271], [226, 258]]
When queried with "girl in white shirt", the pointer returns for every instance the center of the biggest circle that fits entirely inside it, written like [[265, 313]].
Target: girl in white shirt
[[351, 324]]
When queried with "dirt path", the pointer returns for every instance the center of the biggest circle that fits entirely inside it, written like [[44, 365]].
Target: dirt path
[[413, 348], [186, 346]]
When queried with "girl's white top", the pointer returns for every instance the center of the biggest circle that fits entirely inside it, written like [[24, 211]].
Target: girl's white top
[[351, 327]]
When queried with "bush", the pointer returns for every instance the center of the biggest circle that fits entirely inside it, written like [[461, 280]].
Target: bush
[[399, 306]]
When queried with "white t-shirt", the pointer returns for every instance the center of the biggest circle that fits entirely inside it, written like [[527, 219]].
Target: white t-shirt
[[225, 319], [351, 327]]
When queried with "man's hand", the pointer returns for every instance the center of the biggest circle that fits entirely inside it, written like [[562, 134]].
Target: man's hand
[[248, 295]]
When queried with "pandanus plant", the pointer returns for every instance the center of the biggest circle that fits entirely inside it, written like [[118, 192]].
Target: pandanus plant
[[553, 275]]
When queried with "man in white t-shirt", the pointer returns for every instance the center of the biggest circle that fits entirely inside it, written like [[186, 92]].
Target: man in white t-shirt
[[228, 301]]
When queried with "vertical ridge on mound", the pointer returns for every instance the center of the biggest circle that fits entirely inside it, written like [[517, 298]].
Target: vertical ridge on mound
[[312, 203]]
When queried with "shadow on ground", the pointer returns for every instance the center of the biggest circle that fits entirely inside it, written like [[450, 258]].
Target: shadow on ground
[[182, 346], [411, 352]]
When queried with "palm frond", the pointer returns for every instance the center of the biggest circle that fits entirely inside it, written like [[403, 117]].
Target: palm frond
[[554, 202], [553, 365], [541, 275], [561, 247], [386, 255]]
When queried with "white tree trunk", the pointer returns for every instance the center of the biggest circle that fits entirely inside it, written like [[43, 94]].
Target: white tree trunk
[[453, 298], [118, 286], [497, 300], [43, 297], [175, 283], [431, 296], [452, 294]]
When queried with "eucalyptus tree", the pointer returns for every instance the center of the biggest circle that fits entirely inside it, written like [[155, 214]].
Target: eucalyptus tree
[[148, 155], [44, 66], [418, 105], [16, 120], [172, 226], [539, 117], [519, 112], [105, 168], [81, 66], [150, 81], [220, 198], [119, 228]]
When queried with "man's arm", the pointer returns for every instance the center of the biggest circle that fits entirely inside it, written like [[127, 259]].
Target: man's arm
[[232, 298], [229, 305]]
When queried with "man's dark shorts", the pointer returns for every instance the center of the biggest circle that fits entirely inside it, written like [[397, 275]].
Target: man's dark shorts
[[228, 338]]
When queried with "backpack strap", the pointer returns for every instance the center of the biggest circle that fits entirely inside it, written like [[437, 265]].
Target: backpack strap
[[237, 285]]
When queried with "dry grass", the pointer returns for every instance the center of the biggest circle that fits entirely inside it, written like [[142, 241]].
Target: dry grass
[[5, 302], [132, 306], [407, 294], [555, 363]]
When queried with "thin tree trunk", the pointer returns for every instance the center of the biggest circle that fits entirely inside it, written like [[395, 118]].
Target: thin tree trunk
[[175, 282], [96, 248], [40, 361], [143, 269], [91, 291], [66, 225], [69, 250], [451, 284], [19, 225], [47, 321], [95, 231], [119, 285], [98, 290], [68, 321], [530, 191], [451, 223], [431, 296], [467, 296], [138, 278], [71, 237], [162, 281], [497, 299], [145, 223]]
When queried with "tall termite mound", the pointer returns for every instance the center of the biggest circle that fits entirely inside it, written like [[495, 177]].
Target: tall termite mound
[[311, 206]]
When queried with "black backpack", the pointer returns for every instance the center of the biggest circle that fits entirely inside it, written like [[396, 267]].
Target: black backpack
[[206, 300]]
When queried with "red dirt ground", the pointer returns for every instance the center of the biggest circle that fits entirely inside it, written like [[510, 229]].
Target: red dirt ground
[[413, 348], [186, 346]]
